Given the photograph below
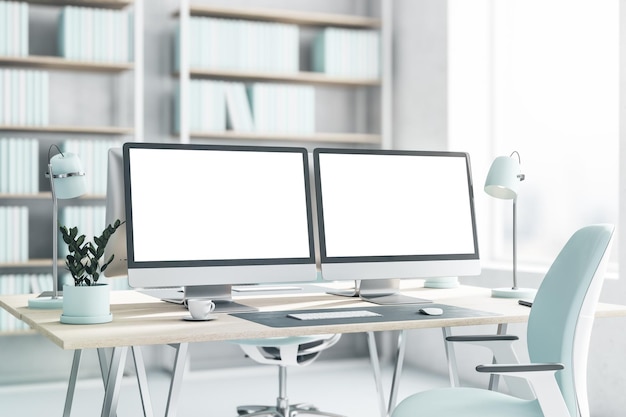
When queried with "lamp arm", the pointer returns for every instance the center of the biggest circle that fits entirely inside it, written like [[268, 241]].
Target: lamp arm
[[515, 243], [55, 243]]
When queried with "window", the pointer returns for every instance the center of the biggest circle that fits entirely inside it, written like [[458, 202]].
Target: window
[[539, 77]]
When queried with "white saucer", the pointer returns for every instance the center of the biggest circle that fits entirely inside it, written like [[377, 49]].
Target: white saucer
[[189, 318]]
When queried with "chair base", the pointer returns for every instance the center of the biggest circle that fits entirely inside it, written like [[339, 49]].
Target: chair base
[[271, 411]]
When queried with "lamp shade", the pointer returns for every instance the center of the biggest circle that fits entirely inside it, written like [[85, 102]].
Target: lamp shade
[[503, 178], [68, 176]]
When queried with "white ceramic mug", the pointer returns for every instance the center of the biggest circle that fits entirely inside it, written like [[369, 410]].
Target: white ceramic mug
[[200, 308]]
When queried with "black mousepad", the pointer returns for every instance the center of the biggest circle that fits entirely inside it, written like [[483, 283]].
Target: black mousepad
[[387, 314]]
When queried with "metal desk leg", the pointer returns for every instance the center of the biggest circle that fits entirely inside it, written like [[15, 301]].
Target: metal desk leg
[[371, 342], [494, 380], [397, 371], [450, 358], [177, 379], [71, 386], [142, 381], [116, 371]]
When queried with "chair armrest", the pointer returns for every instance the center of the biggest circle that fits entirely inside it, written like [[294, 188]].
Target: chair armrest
[[542, 380], [532, 367], [481, 338]]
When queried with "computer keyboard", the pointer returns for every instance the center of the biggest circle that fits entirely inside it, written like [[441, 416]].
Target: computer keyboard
[[324, 315]]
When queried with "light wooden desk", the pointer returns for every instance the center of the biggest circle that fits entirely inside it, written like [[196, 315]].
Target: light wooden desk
[[139, 320]]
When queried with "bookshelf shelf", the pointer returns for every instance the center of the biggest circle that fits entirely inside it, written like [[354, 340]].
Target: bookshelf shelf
[[287, 16], [303, 77], [95, 130], [30, 264], [55, 62], [108, 4], [45, 196], [361, 138]]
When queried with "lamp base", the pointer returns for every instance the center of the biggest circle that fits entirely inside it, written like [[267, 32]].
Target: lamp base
[[46, 303], [527, 293], [442, 282]]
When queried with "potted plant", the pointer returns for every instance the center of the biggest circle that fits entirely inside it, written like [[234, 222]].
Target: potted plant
[[87, 301]]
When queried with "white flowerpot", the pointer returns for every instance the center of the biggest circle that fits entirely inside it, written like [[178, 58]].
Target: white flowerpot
[[86, 304]]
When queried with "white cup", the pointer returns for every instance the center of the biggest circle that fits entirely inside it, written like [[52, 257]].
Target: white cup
[[200, 308]]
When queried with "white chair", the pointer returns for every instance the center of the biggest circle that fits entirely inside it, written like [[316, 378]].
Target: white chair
[[558, 335], [284, 352]]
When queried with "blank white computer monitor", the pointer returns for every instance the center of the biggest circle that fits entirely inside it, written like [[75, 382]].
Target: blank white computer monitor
[[387, 214], [115, 210], [209, 216]]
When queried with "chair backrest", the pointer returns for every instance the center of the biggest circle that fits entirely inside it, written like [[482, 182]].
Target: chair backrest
[[561, 318]]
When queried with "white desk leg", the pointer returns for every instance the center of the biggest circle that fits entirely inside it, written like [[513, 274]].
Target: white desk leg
[[71, 386], [450, 358], [371, 342], [494, 380], [116, 371], [142, 381], [177, 379], [397, 371]]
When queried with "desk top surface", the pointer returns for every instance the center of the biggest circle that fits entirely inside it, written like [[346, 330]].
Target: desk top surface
[[139, 319]]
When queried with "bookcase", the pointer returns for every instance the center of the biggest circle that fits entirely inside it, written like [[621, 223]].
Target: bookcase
[[86, 128], [361, 85]]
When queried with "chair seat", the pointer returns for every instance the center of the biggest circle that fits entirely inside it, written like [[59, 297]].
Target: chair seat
[[466, 402]]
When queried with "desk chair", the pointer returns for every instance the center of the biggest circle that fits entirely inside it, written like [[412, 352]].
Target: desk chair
[[284, 352], [558, 334]]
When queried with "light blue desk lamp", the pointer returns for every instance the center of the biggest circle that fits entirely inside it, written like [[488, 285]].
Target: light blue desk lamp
[[503, 182], [67, 180]]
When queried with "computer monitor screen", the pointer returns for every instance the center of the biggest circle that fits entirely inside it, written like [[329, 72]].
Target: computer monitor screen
[[209, 216], [386, 214]]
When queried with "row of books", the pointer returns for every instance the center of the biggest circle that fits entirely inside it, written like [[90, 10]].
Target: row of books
[[93, 155], [283, 108], [91, 34], [347, 52], [228, 44], [13, 234], [206, 106], [89, 220], [215, 106], [19, 170], [21, 284], [13, 28], [24, 96]]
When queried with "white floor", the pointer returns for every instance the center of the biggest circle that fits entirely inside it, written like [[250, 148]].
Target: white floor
[[344, 387]]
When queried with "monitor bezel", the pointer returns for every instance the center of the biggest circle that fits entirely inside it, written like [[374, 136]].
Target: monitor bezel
[[435, 259], [221, 263]]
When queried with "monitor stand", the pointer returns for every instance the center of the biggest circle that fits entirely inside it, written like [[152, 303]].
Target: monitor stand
[[221, 295], [380, 291]]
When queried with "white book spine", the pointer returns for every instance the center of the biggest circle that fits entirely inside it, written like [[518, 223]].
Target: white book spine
[[4, 167], [23, 234], [8, 96], [3, 235], [12, 147], [24, 29], [45, 97], [2, 98], [22, 97], [3, 28]]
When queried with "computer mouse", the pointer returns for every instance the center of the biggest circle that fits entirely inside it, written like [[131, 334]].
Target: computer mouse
[[431, 311]]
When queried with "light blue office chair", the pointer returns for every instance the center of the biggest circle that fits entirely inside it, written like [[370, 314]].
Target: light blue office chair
[[284, 352], [558, 335]]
